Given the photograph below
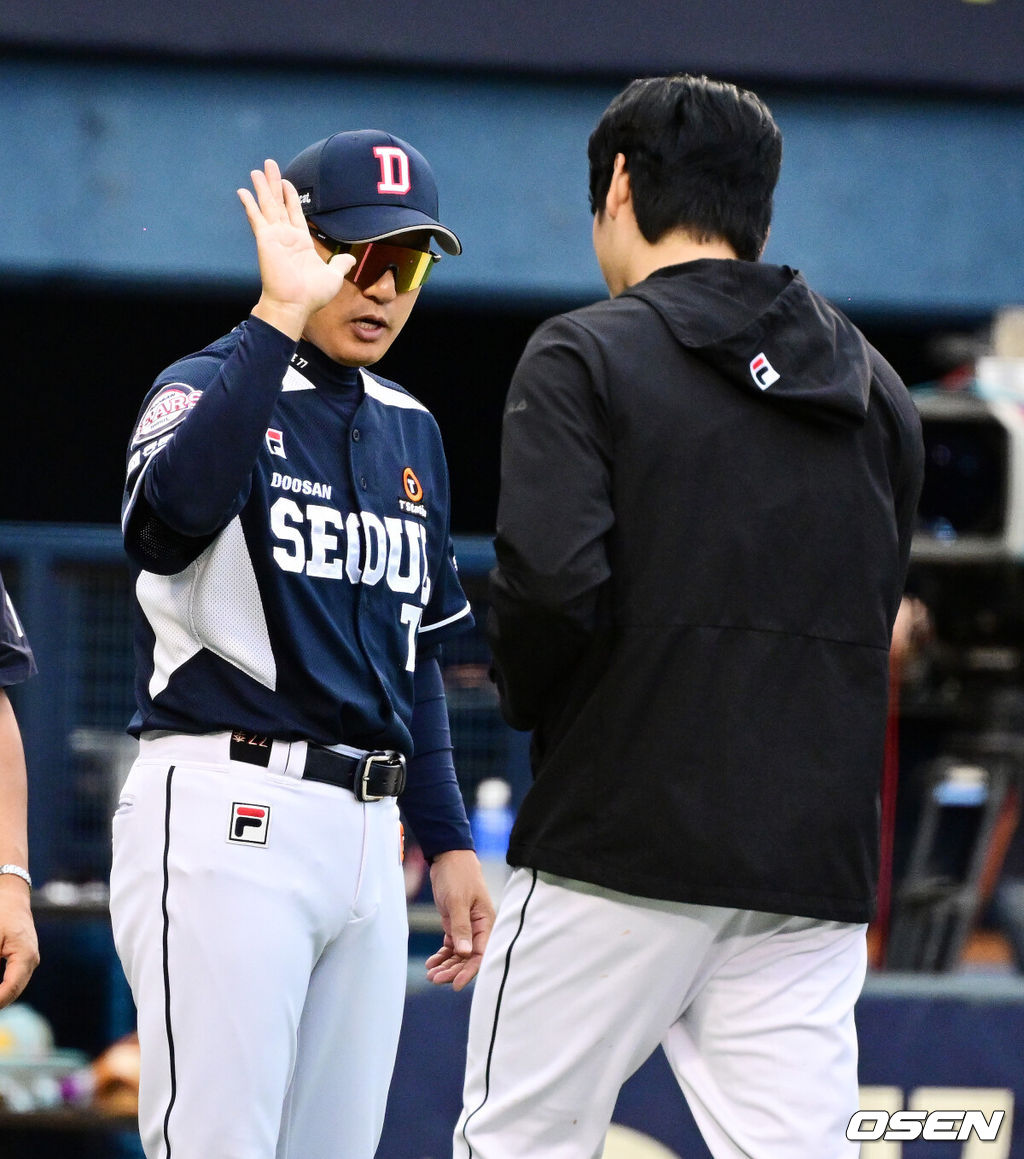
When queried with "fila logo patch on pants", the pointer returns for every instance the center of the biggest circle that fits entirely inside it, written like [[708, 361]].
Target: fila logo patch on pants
[[250, 824]]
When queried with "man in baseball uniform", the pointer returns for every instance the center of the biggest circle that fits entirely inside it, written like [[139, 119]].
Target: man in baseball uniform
[[707, 494], [286, 516], [19, 949]]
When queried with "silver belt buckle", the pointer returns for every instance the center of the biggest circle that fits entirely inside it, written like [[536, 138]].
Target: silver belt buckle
[[371, 759]]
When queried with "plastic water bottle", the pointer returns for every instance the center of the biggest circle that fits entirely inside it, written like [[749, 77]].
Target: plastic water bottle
[[491, 824]]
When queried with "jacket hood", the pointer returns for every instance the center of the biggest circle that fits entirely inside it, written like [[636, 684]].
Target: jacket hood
[[767, 332]]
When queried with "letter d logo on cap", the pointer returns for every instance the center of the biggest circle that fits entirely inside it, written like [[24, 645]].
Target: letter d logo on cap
[[394, 169]]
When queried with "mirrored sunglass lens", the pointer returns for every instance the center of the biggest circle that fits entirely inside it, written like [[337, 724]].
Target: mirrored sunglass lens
[[411, 268]]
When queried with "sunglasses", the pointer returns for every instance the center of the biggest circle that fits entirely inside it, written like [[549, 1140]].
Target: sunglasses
[[410, 267]]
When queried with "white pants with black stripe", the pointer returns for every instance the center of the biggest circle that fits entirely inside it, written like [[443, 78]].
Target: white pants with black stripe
[[579, 985], [269, 975]]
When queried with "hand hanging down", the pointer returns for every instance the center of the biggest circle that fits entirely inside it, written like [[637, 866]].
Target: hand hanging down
[[19, 948], [467, 915]]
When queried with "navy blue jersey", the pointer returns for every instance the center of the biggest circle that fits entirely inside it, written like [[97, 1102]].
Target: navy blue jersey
[[16, 660], [287, 520]]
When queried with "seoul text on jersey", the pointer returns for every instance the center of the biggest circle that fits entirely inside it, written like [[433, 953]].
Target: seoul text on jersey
[[360, 546]]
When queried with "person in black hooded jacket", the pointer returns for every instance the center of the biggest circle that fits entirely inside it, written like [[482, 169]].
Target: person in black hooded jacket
[[707, 496]]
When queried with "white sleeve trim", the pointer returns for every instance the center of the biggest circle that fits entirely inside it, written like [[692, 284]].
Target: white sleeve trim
[[14, 616], [444, 623], [129, 507]]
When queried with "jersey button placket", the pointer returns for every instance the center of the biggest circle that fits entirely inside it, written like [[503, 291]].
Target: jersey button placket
[[356, 436], [364, 599]]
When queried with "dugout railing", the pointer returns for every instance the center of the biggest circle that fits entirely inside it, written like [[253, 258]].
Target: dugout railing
[[70, 585]]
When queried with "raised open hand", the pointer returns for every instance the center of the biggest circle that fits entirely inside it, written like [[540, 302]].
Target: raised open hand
[[296, 280]]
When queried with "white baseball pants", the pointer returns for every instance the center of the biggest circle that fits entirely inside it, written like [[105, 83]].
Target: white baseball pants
[[579, 985], [261, 921]]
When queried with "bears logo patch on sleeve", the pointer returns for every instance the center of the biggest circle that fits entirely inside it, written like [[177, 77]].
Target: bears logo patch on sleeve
[[167, 408]]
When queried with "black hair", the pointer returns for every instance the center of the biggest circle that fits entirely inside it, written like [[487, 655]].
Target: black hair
[[702, 155]]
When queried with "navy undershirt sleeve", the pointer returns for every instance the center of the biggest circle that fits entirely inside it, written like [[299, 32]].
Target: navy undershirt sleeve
[[432, 801], [200, 480]]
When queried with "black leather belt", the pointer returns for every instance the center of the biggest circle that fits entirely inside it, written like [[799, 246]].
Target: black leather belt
[[370, 776]]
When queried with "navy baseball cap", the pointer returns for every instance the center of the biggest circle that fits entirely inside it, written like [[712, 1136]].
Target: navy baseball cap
[[367, 185]]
